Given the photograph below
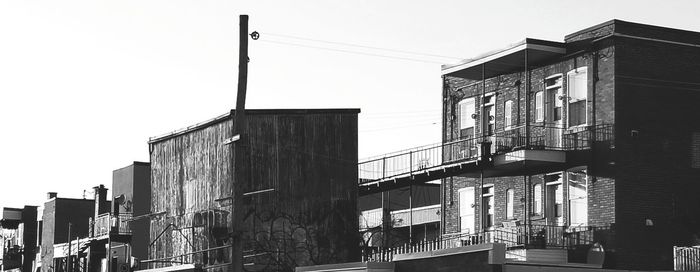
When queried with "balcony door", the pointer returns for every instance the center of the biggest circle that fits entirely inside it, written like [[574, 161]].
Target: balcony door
[[466, 210], [555, 111]]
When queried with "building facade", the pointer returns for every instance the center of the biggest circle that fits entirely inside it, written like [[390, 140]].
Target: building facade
[[19, 236], [301, 204], [63, 220], [596, 134], [581, 153]]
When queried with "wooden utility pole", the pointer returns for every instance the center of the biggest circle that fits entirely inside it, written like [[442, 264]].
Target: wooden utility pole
[[238, 153]]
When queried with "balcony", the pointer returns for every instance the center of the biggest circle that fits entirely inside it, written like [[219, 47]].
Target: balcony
[[518, 151], [106, 225], [517, 240]]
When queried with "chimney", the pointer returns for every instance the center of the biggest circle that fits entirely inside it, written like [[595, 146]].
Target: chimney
[[100, 200], [51, 195]]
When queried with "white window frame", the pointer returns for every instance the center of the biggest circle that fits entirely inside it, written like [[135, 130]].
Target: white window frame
[[508, 114], [557, 85], [537, 199], [571, 199], [463, 117], [539, 106], [576, 71], [510, 205], [462, 213]]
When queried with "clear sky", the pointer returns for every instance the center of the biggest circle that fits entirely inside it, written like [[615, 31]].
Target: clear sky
[[84, 83]]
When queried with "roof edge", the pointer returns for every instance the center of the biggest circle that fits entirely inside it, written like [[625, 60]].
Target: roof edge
[[224, 116], [525, 44]]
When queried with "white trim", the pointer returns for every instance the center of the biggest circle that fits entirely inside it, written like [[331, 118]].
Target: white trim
[[500, 54], [577, 70], [539, 115]]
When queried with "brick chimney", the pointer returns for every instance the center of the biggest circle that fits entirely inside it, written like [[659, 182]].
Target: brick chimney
[[101, 205], [51, 195]]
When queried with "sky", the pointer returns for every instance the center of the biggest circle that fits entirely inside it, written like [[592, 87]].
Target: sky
[[85, 83]]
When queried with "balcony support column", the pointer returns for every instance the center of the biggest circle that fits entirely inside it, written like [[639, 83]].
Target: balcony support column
[[527, 101]]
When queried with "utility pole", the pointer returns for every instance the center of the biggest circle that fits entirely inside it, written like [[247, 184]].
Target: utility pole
[[68, 262], [238, 153]]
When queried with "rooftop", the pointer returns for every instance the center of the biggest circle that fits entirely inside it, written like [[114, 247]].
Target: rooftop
[[225, 116]]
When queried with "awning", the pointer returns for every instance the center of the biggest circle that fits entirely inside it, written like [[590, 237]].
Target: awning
[[508, 60]]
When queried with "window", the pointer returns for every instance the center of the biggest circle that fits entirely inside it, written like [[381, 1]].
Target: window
[[554, 98], [578, 198], [555, 199], [489, 114], [578, 96], [466, 210], [466, 120], [510, 196], [487, 205], [508, 114], [539, 106], [537, 209]]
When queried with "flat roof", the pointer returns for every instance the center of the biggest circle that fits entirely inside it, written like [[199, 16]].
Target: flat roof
[[251, 112], [509, 59]]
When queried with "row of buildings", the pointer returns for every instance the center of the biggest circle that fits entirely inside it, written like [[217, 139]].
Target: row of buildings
[[300, 201], [574, 155]]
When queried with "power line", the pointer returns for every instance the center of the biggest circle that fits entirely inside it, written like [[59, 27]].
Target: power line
[[352, 52], [362, 46], [398, 127]]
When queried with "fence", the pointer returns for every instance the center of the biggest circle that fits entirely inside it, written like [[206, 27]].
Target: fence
[[686, 258]]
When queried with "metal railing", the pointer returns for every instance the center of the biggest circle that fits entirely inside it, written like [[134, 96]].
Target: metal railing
[[106, 223], [206, 258], [427, 157], [519, 237], [686, 258], [454, 240], [549, 236]]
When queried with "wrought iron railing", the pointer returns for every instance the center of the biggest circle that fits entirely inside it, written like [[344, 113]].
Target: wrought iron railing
[[107, 223], [505, 236], [410, 161], [686, 258], [519, 237]]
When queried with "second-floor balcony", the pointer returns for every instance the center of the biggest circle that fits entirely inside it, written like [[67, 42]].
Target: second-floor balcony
[[538, 145], [107, 224]]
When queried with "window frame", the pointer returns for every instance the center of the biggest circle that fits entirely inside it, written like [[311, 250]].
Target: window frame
[[576, 71], [537, 198], [508, 115], [539, 106], [462, 117], [510, 205]]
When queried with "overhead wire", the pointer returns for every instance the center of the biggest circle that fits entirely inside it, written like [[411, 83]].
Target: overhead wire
[[351, 52], [362, 46]]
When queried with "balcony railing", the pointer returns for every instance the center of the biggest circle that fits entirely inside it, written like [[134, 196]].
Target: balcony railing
[[427, 157], [108, 224], [539, 236], [686, 258]]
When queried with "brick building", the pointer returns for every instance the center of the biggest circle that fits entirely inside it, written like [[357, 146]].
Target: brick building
[[581, 153], [597, 131]]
